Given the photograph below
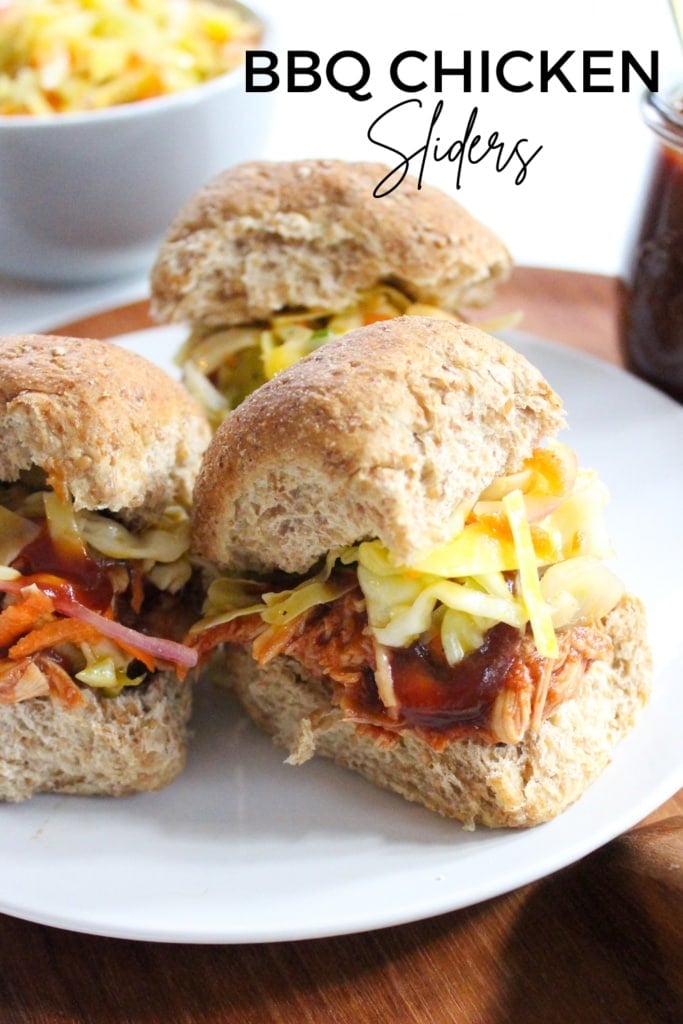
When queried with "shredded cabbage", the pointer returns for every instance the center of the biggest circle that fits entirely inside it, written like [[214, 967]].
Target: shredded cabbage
[[284, 606], [161, 553], [15, 533], [580, 588], [407, 622], [461, 633], [221, 366], [58, 56], [295, 342], [215, 405], [170, 576], [62, 525], [162, 549], [576, 526], [106, 668], [228, 598], [166, 541], [537, 611], [499, 567]]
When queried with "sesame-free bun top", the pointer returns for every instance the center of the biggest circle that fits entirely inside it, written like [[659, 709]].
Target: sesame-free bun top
[[106, 425], [382, 432], [266, 236]]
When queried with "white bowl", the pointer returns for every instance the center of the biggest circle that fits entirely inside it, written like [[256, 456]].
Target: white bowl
[[88, 196]]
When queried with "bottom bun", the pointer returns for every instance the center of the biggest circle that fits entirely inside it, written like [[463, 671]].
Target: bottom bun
[[108, 746], [471, 780]]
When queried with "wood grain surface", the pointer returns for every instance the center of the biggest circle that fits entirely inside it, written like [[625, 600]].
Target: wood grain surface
[[571, 308], [600, 942]]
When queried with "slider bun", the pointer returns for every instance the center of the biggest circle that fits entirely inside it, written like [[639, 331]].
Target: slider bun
[[107, 746], [106, 425], [383, 433], [267, 236], [476, 782]]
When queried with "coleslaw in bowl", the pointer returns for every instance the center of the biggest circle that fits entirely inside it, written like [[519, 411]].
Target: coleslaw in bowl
[[87, 194], [59, 56]]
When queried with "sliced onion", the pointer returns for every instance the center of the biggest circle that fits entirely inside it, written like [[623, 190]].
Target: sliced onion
[[549, 477], [158, 647], [383, 677], [580, 588], [502, 485], [12, 584], [15, 533], [540, 506], [558, 467]]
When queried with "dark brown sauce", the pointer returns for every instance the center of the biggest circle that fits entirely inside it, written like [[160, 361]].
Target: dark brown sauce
[[73, 575], [652, 300], [434, 695]]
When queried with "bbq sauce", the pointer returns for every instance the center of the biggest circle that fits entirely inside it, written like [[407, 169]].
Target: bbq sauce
[[66, 574], [434, 695], [652, 295]]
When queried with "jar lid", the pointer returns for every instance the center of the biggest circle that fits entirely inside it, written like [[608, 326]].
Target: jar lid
[[663, 112]]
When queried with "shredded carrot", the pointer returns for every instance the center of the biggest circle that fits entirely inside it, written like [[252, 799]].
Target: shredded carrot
[[20, 617], [58, 485], [374, 318], [146, 659], [137, 589], [53, 633], [272, 641]]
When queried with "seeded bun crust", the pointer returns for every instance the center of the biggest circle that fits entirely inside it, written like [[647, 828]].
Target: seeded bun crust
[[383, 432], [475, 782], [267, 236], [109, 746], [105, 424]]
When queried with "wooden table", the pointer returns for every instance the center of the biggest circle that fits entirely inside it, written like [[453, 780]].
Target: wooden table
[[600, 942]]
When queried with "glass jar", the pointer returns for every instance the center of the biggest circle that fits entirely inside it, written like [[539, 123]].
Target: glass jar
[[652, 307]]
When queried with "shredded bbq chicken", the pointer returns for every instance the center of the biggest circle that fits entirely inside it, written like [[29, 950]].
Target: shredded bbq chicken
[[497, 693]]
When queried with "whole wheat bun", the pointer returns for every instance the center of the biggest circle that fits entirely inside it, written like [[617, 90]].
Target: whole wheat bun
[[116, 433], [108, 746], [473, 781], [105, 424], [266, 236], [383, 432]]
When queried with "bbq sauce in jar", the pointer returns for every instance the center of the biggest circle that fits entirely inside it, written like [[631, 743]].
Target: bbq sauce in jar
[[652, 303]]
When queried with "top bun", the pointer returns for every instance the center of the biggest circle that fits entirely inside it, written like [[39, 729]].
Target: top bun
[[262, 237], [107, 426], [383, 432]]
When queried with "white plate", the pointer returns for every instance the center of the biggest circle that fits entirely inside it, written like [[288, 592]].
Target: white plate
[[243, 848]]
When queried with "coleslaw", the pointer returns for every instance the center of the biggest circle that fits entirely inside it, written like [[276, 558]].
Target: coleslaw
[[60, 56]]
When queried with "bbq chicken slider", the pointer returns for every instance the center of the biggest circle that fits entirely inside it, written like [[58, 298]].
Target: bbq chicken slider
[[270, 260], [411, 574], [98, 458]]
